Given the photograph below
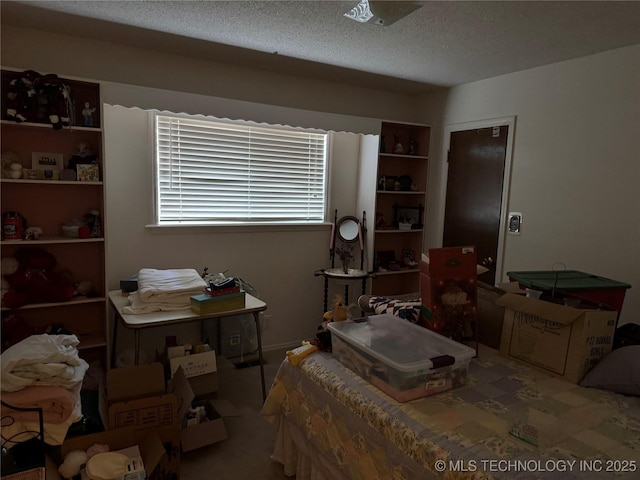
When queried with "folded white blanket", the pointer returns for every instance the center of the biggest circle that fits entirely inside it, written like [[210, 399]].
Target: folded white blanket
[[164, 290], [42, 360], [137, 306]]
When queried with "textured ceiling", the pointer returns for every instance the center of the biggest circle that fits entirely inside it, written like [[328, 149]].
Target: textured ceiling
[[440, 44]]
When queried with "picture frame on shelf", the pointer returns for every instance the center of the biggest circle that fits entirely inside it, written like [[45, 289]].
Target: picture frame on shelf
[[412, 215], [47, 165], [409, 257], [88, 172]]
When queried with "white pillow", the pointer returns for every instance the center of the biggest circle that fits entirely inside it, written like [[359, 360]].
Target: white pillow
[[619, 371]]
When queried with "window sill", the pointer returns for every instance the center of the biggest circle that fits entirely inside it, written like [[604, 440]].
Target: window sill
[[255, 228]]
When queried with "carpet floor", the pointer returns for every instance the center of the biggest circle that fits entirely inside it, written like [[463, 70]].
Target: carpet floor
[[246, 453]]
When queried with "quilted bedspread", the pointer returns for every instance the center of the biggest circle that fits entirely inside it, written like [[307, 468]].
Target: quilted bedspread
[[508, 422]]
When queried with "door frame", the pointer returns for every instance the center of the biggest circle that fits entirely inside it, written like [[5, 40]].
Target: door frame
[[510, 122]]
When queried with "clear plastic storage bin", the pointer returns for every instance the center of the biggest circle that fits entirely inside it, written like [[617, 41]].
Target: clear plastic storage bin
[[404, 360]]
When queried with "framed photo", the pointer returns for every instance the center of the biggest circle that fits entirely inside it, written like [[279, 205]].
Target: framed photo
[[47, 164], [88, 172], [412, 215]]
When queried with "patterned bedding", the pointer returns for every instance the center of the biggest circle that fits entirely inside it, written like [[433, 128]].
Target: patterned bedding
[[507, 422]]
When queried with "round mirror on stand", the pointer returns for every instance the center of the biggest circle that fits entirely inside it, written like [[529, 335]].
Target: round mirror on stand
[[346, 233], [349, 229]]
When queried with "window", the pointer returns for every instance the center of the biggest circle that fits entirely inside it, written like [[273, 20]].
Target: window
[[213, 172]]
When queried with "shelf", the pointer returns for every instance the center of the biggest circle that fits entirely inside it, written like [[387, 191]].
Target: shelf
[[51, 240], [397, 230], [405, 207], [402, 192], [79, 301], [91, 341], [70, 128], [49, 182], [49, 204], [401, 155], [397, 272]]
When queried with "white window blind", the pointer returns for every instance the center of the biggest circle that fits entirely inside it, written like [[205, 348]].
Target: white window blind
[[212, 172]]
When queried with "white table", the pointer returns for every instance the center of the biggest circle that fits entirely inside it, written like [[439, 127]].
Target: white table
[[137, 322]]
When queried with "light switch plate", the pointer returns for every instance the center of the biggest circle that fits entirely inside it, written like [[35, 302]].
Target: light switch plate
[[515, 223]]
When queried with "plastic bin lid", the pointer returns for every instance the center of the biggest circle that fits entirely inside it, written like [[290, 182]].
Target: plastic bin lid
[[400, 344], [565, 280]]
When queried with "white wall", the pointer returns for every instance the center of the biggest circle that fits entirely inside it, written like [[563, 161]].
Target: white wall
[[576, 163]]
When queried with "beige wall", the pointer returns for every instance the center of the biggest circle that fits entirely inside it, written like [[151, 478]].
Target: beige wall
[[87, 58], [575, 167], [278, 261]]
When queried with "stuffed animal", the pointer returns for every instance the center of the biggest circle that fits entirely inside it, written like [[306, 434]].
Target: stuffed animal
[[339, 309], [15, 329], [75, 460], [35, 280], [39, 98], [8, 159], [323, 336], [21, 97], [54, 100]]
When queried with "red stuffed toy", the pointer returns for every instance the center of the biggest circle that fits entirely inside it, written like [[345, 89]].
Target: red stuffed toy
[[35, 280], [15, 329]]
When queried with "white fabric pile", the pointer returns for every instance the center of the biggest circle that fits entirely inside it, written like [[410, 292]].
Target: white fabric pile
[[160, 290], [34, 369], [43, 360]]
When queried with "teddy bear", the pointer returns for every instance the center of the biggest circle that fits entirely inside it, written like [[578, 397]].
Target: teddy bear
[[53, 100], [322, 340], [39, 98], [35, 279], [15, 329]]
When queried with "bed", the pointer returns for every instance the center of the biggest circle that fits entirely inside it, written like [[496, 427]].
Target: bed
[[508, 422]]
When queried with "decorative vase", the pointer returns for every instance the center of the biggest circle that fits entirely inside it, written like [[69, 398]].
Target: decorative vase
[[345, 266]]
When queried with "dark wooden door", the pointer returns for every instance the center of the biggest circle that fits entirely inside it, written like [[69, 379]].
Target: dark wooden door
[[474, 193]]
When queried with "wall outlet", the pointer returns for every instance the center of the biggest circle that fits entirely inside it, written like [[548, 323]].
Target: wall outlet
[[266, 321], [234, 340]]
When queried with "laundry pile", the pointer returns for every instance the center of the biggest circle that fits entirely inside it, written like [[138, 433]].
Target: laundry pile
[[42, 371]]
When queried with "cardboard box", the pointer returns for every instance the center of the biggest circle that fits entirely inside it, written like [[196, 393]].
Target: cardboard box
[[203, 386], [211, 431], [560, 340], [135, 399], [152, 450], [204, 304], [195, 364], [37, 473], [135, 467]]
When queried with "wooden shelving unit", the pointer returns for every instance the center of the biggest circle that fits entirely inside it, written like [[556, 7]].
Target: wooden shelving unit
[[49, 204], [400, 198]]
